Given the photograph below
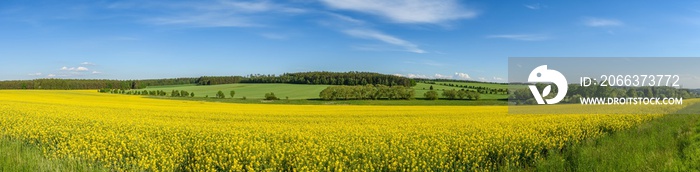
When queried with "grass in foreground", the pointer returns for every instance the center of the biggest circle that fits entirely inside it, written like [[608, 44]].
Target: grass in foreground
[[19, 156], [670, 143]]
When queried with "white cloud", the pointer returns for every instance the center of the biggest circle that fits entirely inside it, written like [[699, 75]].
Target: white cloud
[[600, 22], [96, 72], [462, 75], [80, 68], [482, 79], [371, 34], [51, 75], [497, 78], [439, 76], [407, 11], [416, 76], [87, 63], [35, 74], [410, 75], [533, 6], [522, 37]]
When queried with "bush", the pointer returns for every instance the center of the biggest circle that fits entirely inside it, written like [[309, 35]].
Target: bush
[[431, 95], [270, 96]]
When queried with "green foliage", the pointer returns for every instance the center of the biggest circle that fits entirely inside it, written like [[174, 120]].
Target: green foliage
[[232, 93], [334, 78], [220, 94], [575, 92], [431, 95], [270, 96], [73, 84], [670, 143], [366, 92], [20, 156], [461, 94], [252, 91], [316, 78]]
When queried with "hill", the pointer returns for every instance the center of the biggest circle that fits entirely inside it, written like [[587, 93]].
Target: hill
[[293, 91], [251, 91]]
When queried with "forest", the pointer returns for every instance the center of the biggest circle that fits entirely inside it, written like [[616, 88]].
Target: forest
[[318, 78]]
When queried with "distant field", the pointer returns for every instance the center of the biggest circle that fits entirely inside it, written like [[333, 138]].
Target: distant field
[[251, 91], [421, 88], [477, 84], [293, 91]]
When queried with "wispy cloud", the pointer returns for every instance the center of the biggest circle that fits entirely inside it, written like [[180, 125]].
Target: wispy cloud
[[600, 22], [522, 37], [221, 13], [347, 19], [497, 78], [426, 62], [35, 74], [96, 72], [275, 36], [407, 11], [51, 75], [376, 35], [533, 6], [87, 63]]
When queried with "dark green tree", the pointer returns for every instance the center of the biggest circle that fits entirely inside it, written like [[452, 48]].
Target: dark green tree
[[431, 95], [220, 94], [270, 96]]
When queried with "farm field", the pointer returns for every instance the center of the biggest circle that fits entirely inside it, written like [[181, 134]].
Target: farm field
[[252, 91], [295, 91], [133, 133]]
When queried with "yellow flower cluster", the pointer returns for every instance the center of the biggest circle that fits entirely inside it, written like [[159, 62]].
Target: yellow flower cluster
[[132, 133]]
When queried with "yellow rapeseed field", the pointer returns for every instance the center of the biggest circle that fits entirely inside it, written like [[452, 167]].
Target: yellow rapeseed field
[[132, 133]]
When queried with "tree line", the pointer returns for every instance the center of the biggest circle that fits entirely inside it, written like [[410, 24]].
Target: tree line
[[480, 89], [367, 92], [75, 84], [173, 93], [320, 78], [316, 78], [575, 92], [453, 95]]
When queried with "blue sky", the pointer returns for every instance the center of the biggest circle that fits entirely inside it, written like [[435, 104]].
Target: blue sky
[[435, 39]]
